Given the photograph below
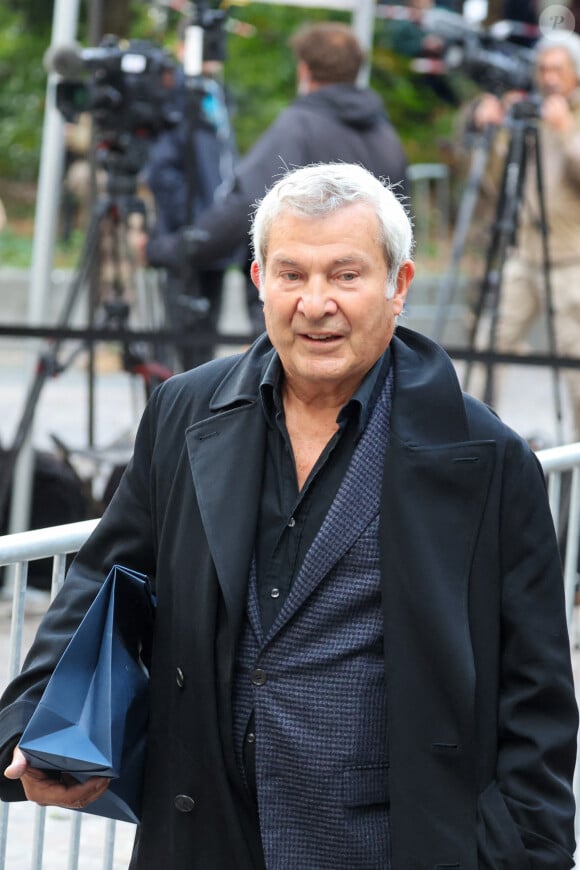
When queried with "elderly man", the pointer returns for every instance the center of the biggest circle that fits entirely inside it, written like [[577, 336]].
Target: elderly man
[[360, 657]]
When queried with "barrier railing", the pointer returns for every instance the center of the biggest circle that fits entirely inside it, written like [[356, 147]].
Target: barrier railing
[[35, 838], [51, 838]]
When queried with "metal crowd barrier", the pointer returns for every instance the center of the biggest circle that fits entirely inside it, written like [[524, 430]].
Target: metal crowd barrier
[[51, 838], [35, 838]]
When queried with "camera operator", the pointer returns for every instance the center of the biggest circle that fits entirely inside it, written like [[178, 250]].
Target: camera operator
[[207, 140], [330, 120], [523, 291]]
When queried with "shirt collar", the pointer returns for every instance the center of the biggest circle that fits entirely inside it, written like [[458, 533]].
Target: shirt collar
[[359, 406]]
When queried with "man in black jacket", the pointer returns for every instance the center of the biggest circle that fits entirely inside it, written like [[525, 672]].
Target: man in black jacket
[[332, 119], [359, 656]]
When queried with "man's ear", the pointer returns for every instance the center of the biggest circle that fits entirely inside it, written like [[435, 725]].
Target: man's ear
[[303, 78], [255, 274], [404, 277]]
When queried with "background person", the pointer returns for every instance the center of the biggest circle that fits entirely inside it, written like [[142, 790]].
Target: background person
[[523, 290], [331, 119], [360, 656], [76, 194], [188, 165]]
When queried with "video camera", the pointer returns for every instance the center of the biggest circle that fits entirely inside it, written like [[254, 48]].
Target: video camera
[[128, 90], [488, 57]]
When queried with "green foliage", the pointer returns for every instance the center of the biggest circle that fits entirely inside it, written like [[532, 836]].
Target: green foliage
[[15, 249], [35, 15], [259, 74], [22, 87]]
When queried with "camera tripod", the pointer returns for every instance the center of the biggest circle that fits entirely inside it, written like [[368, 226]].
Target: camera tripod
[[524, 143], [481, 144], [115, 213]]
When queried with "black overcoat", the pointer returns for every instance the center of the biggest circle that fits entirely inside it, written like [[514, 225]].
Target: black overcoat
[[482, 716]]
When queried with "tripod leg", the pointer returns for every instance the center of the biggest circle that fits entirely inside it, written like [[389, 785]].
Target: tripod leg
[[448, 286], [551, 333], [489, 288], [126, 279], [47, 364], [503, 235]]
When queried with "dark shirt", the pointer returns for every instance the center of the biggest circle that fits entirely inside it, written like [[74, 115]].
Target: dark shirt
[[289, 520]]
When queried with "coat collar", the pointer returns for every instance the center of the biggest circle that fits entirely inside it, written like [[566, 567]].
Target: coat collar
[[242, 382], [427, 405]]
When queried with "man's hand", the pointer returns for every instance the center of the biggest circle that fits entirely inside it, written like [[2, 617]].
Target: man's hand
[[42, 788], [557, 114], [137, 239], [489, 110]]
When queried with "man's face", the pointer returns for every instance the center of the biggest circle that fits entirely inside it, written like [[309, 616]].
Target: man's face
[[555, 73], [324, 291]]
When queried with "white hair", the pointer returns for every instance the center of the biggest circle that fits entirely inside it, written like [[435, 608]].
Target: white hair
[[565, 39], [320, 189]]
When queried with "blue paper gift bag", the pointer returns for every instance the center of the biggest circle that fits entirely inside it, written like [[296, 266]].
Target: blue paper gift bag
[[92, 717]]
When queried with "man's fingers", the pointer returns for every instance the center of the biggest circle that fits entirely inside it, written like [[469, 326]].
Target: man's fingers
[[50, 789], [17, 766], [64, 792]]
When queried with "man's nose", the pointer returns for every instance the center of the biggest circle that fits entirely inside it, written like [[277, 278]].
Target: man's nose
[[316, 300]]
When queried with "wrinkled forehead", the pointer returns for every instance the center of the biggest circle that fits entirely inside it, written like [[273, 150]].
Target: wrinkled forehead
[[350, 222]]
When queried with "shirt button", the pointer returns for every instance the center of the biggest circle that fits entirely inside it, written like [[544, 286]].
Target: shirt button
[[275, 592], [184, 803], [259, 677], [251, 737], [291, 523], [180, 678]]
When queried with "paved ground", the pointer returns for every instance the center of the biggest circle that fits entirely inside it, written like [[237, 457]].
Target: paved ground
[[526, 404]]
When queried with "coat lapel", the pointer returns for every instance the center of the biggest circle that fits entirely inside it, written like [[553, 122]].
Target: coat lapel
[[434, 495], [226, 457]]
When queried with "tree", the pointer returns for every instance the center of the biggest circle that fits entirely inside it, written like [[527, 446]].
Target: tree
[[259, 71], [117, 17]]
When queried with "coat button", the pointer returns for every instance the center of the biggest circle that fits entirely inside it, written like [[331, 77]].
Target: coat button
[[258, 677], [184, 803], [180, 678]]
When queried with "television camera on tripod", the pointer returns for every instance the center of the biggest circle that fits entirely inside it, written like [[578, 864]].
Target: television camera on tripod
[[532, 136], [123, 87], [189, 164]]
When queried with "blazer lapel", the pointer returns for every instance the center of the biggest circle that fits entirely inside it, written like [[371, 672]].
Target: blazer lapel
[[340, 529]]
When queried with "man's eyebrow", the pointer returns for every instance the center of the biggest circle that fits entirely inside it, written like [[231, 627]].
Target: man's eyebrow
[[346, 258], [284, 261], [350, 258]]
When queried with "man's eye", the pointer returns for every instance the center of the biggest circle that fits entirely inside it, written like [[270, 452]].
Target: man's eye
[[348, 276], [290, 276]]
